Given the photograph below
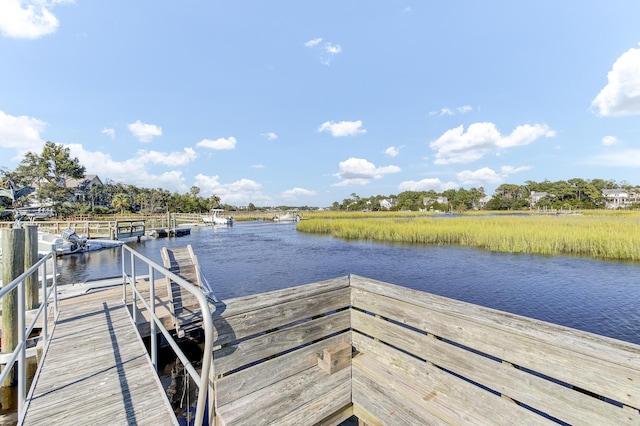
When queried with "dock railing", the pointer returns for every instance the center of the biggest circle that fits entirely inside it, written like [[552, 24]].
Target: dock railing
[[128, 229], [319, 353], [202, 380], [19, 354]]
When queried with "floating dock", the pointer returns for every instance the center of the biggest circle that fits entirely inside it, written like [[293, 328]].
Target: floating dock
[[168, 232]]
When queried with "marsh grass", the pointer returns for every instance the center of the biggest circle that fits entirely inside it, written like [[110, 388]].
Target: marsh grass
[[601, 236]]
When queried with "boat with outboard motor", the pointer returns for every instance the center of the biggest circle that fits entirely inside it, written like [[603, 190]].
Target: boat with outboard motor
[[287, 217], [70, 242], [216, 218]]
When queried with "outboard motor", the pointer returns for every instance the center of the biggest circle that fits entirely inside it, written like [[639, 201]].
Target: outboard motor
[[77, 242]]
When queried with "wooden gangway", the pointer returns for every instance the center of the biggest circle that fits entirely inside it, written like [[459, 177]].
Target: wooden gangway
[[96, 369], [185, 312]]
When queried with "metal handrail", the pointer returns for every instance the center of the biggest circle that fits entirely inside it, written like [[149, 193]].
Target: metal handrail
[[19, 354], [202, 380]]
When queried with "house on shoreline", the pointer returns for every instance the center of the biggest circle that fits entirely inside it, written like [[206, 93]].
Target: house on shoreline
[[620, 198]]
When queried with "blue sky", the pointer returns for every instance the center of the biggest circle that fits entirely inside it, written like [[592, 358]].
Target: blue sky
[[304, 103]]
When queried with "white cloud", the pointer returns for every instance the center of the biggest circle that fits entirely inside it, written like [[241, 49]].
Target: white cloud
[[448, 111], [426, 185], [358, 171], [28, 18], [258, 166], [487, 176], [327, 51], [332, 49], [218, 144], [270, 136], [240, 192], [168, 158], [481, 176], [458, 146], [509, 170], [144, 132], [524, 135], [625, 158], [294, 193], [621, 95], [109, 132], [21, 133], [343, 128], [609, 140], [314, 42], [392, 151]]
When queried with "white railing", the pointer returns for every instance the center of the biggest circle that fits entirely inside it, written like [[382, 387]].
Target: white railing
[[202, 380], [19, 354]]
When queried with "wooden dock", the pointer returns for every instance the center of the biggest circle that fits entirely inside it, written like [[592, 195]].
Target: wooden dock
[[97, 370], [321, 353]]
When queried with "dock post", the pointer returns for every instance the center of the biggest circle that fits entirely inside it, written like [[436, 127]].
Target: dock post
[[30, 258], [12, 268]]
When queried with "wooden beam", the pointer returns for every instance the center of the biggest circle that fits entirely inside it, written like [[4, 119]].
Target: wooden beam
[[335, 358], [12, 268]]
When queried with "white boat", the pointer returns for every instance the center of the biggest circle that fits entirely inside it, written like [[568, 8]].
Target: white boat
[[217, 219], [69, 242], [287, 217]]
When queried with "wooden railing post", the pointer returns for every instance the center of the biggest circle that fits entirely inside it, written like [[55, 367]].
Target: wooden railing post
[[30, 258], [12, 268]]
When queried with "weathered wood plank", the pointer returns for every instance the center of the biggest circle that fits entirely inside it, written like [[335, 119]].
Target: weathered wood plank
[[97, 370], [244, 304], [252, 379], [184, 305], [380, 408], [337, 417], [322, 410], [421, 391], [248, 323], [554, 399], [291, 396], [365, 418], [604, 347], [604, 366], [248, 351]]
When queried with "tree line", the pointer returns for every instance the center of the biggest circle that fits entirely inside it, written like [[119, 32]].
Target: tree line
[[574, 193], [50, 170]]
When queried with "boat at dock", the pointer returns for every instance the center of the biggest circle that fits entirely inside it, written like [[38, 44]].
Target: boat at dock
[[287, 217], [68, 242], [216, 218]]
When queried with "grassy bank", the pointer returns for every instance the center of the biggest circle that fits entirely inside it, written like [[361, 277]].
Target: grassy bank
[[597, 235]]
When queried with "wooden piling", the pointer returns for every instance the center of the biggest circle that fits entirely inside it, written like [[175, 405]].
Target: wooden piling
[[12, 267], [30, 258]]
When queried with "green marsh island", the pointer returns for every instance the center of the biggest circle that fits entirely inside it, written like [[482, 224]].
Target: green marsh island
[[606, 235]]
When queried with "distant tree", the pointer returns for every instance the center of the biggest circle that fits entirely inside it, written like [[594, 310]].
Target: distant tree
[[121, 202], [214, 202], [49, 171]]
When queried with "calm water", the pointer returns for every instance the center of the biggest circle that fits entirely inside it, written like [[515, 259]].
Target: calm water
[[248, 258]]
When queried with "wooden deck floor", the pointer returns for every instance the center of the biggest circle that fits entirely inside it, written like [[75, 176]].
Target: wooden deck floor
[[97, 370]]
